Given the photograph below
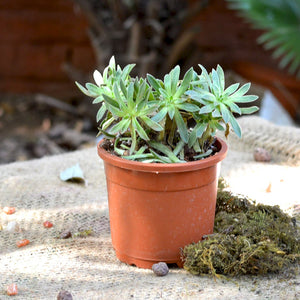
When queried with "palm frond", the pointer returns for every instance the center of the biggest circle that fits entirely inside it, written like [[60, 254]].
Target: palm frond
[[280, 19]]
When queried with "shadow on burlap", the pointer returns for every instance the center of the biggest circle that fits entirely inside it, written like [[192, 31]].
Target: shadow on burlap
[[87, 267]]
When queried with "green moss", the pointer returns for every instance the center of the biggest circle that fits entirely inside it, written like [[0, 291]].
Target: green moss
[[247, 239]]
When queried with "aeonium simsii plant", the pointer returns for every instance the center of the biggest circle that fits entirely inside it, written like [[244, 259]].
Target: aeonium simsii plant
[[165, 121]]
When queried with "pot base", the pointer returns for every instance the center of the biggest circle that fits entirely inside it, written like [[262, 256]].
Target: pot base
[[144, 264]]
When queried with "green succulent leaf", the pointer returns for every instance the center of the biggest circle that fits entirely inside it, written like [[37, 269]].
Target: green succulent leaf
[[153, 125], [231, 89], [185, 83], [93, 89], [188, 107], [154, 82], [235, 126], [101, 112], [140, 129], [120, 127], [249, 110], [160, 115], [83, 90], [196, 133], [181, 126], [165, 150]]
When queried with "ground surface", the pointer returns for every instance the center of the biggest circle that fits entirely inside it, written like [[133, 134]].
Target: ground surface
[[87, 267], [35, 125]]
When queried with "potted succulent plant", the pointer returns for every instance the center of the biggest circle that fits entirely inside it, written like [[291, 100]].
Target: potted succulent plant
[[161, 156]]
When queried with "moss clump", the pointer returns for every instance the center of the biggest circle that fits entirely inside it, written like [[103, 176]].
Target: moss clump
[[247, 239]]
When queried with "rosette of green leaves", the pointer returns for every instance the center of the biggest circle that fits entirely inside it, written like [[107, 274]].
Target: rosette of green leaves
[[129, 111], [217, 105], [104, 84], [172, 102]]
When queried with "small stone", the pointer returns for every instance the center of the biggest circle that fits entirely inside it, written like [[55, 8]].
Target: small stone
[[64, 295], [47, 224], [160, 269], [261, 154], [9, 210], [22, 243], [66, 234], [12, 290], [12, 226]]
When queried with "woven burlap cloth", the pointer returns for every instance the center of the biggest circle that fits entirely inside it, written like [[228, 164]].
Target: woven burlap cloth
[[87, 266]]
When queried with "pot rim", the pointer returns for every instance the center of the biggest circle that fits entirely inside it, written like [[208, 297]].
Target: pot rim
[[161, 167]]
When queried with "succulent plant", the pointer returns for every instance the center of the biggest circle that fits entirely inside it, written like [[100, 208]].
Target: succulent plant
[[169, 120]]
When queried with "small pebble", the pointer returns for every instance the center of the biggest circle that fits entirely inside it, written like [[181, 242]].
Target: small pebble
[[12, 290], [22, 243], [66, 234], [47, 224], [64, 295], [12, 226], [261, 154], [160, 269], [9, 210]]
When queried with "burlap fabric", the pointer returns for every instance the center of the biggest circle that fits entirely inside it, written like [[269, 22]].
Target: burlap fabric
[[87, 266]]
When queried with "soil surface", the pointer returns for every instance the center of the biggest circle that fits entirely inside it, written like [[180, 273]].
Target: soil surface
[[32, 126]]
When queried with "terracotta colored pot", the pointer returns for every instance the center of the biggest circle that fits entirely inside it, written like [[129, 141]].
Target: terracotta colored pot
[[157, 209]]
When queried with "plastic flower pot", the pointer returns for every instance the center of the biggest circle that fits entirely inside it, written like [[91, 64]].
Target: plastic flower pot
[[156, 209]]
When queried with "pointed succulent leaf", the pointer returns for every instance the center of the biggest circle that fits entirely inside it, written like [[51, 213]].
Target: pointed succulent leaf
[[207, 153], [249, 110], [188, 107], [242, 90], [225, 113], [130, 91], [83, 90], [231, 89], [205, 75], [98, 78], [181, 126], [98, 99], [151, 124], [153, 82], [185, 83], [141, 132], [245, 99], [216, 113], [126, 71], [164, 94], [142, 93], [112, 63], [199, 96], [107, 123], [167, 83], [175, 73], [179, 147], [196, 133], [110, 101], [233, 107], [101, 112], [160, 115], [171, 111], [235, 126], [216, 81], [133, 139], [221, 77], [165, 150], [121, 126], [93, 89], [123, 88], [207, 109]]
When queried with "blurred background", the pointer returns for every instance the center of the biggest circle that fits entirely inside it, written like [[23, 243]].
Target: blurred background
[[46, 45]]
